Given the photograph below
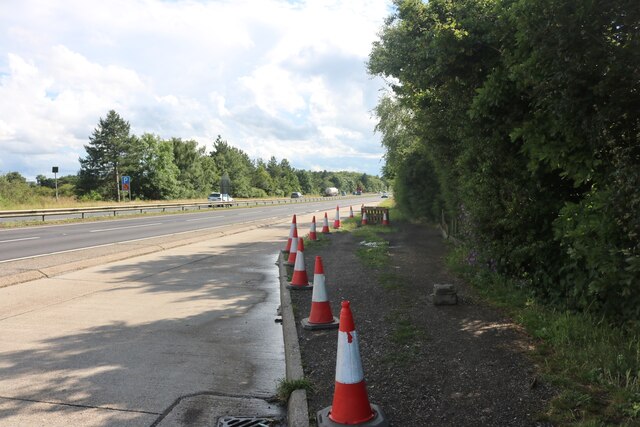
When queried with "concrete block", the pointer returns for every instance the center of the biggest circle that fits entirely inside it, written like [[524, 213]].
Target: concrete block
[[444, 294]]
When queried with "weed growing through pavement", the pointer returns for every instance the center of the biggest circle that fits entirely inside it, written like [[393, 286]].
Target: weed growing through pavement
[[286, 387]]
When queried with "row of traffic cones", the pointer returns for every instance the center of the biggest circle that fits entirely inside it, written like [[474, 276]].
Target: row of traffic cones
[[350, 404]]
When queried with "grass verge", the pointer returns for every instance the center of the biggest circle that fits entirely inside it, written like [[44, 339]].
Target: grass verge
[[594, 366], [405, 336]]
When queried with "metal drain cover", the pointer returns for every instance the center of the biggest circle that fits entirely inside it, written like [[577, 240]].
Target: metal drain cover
[[248, 422]]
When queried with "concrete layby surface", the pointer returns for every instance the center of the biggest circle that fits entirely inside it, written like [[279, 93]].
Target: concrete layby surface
[[178, 337]]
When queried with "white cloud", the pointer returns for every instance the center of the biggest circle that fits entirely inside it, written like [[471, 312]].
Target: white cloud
[[272, 77]]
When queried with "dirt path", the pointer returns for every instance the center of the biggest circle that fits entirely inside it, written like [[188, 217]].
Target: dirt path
[[425, 365]]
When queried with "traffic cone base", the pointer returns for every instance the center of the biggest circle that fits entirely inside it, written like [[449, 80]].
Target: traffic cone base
[[379, 419], [306, 324], [306, 287]]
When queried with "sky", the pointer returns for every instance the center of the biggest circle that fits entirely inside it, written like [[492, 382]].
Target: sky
[[272, 77]]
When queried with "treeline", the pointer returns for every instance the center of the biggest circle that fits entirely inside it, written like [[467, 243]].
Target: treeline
[[164, 169], [521, 119]]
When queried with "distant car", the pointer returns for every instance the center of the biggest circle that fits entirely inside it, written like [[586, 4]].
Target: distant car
[[385, 195], [219, 197], [296, 195]]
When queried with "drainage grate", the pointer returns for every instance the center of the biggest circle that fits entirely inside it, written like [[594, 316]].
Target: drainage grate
[[248, 422]]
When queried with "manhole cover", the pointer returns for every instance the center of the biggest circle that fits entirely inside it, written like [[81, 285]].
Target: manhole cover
[[248, 422]]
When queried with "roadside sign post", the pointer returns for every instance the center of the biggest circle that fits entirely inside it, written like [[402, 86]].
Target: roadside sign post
[[54, 169], [126, 185]]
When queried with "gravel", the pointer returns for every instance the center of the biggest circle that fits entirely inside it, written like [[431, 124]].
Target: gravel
[[425, 365]]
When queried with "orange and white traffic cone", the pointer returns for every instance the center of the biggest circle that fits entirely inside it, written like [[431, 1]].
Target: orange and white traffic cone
[[364, 217], [293, 226], [320, 316], [350, 400], [350, 211], [336, 222], [299, 280], [312, 232], [385, 219], [325, 225], [293, 251]]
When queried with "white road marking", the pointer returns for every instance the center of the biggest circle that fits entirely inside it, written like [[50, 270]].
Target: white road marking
[[19, 240], [208, 217], [105, 245], [123, 228]]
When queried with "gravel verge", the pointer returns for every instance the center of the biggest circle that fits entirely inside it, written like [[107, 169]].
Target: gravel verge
[[425, 365]]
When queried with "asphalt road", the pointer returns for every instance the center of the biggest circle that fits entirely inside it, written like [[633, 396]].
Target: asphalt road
[[30, 242]]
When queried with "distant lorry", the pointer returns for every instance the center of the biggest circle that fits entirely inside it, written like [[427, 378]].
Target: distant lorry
[[331, 191]]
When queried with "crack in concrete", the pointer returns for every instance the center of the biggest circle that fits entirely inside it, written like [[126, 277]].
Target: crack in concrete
[[77, 405]]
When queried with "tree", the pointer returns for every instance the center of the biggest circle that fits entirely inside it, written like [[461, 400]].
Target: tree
[[526, 115], [236, 164], [197, 173], [43, 181], [157, 173], [15, 177], [261, 178], [108, 153]]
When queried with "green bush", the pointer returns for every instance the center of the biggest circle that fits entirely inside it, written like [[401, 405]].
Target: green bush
[[521, 119]]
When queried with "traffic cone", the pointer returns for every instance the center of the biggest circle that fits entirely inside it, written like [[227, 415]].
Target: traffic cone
[[350, 211], [293, 225], [364, 217], [350, 401], [325, 225], [299, 280], [312, 233], [385, 219], [320, 316], [336, 222], [294, 248]]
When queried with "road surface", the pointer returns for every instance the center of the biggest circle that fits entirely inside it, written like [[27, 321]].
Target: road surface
[[161, 339], [16, 244]]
